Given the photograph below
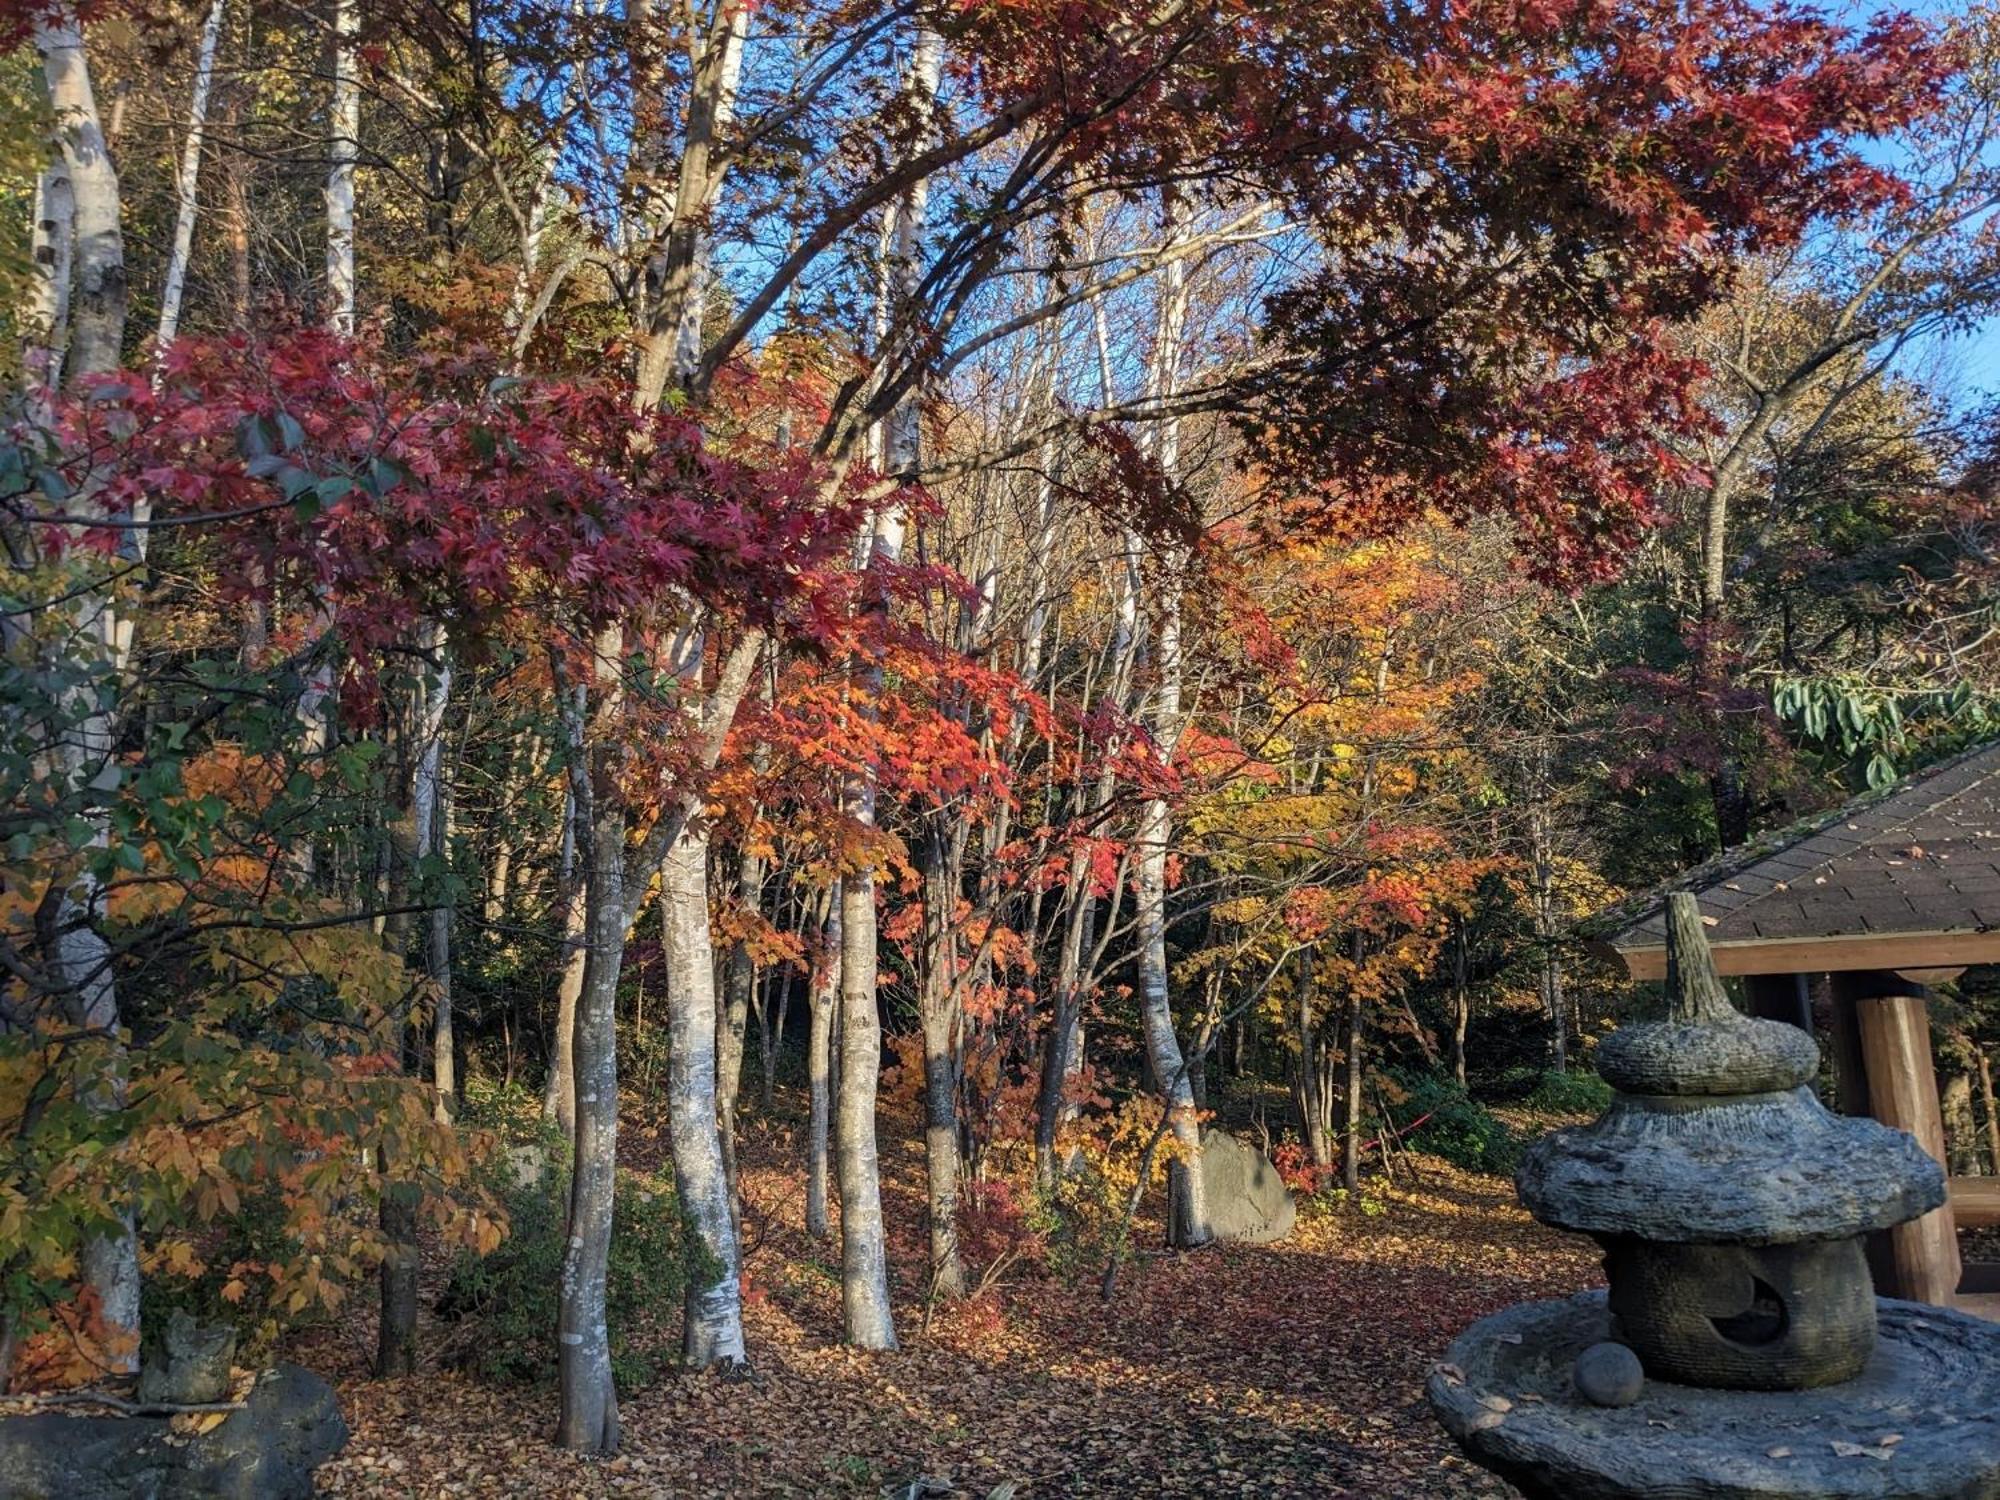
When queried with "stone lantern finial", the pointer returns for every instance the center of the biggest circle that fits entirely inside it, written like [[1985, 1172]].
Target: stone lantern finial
[[1694, 990]]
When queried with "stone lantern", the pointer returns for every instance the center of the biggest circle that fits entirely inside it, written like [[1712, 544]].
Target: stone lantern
[[1734, 1212], [1733, 1208]]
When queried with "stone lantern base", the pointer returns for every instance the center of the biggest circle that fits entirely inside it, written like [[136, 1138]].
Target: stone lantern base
[[1746, 1317], [1920, 1422]]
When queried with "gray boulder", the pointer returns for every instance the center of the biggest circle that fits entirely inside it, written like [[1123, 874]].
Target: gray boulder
[[289, 1425], [1248, 1202]]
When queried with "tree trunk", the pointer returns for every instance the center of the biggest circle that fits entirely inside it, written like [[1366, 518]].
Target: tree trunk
[[1351, 1146], [1461, 1001], [428, 794], [939, 999], [186, 178], [86, 758], [740, 980], [682, 275], [396, 1327], [559, 1091], [343, 148], [52, 252], [1187, 1220], [1988, 1104], [236, 218], [1313, 1072], [98, 297], [825, 1000], [1961, 1133], [713, 1330], [771, 1015], [589, 1401], [864, 1256]]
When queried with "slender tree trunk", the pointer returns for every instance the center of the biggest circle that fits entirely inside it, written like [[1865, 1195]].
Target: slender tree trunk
[[771, 1017], [236, 217], [343, 149], [712, 1332], [1187, 1223], [681, 277], [1188, 1216], [1356, 1072], [739, 982], [589, 1401], [86, 757], [396, 1327], [559, 1089], [940, 1017], [1541, 854], [1461, 1000], [825, 999], [186, 178], [1312, 1081], [428, 794], [1063, 1057], [864, 1256], [1991, 1107]]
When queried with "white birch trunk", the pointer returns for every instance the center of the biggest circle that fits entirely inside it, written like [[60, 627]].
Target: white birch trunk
[[97, 299], [1188, 1208], [45, 321], [86, 758], [343, 149], [712, 1332], [186, 178]]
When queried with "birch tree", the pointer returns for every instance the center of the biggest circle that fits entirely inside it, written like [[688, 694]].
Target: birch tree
[[84, 757], [343, 151], [187, 176]]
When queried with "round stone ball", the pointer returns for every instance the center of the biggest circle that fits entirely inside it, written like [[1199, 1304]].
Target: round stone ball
[[1609, 1374]]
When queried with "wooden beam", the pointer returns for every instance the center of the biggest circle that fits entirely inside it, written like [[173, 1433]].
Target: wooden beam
[[1975, 1203], [1837, 954], [1920, 1260]]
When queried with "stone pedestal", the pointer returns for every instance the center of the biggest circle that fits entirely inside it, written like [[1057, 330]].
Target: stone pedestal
[[1920, 1422]]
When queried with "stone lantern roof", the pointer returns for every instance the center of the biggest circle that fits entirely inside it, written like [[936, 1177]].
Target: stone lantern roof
[[1716, 1137]]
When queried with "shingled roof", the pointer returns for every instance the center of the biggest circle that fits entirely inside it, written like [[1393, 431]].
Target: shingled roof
[[1907, 878]]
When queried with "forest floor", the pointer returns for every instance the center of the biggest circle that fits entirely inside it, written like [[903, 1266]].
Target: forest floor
[[1292, 1369]]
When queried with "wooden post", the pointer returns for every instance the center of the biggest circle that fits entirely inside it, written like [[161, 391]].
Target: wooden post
[[1918, 1261]]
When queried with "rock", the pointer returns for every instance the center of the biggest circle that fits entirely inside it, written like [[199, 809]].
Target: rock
[[1608, 1374], [187, 1363], [289, 1425], [1248, 1202], [527, 1165]]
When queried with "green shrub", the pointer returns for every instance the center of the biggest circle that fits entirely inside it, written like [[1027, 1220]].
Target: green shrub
[[1577, 1092], [1459, 1128], [508, 1299]]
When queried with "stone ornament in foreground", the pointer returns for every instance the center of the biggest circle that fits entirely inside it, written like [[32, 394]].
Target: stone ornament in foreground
[[1734, 1211]]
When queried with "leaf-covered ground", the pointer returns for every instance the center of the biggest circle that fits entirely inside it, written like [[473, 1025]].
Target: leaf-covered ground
[[1291, 1369]]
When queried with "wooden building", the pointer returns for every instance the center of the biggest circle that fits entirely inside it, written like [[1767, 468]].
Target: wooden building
[[1863, 907]]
